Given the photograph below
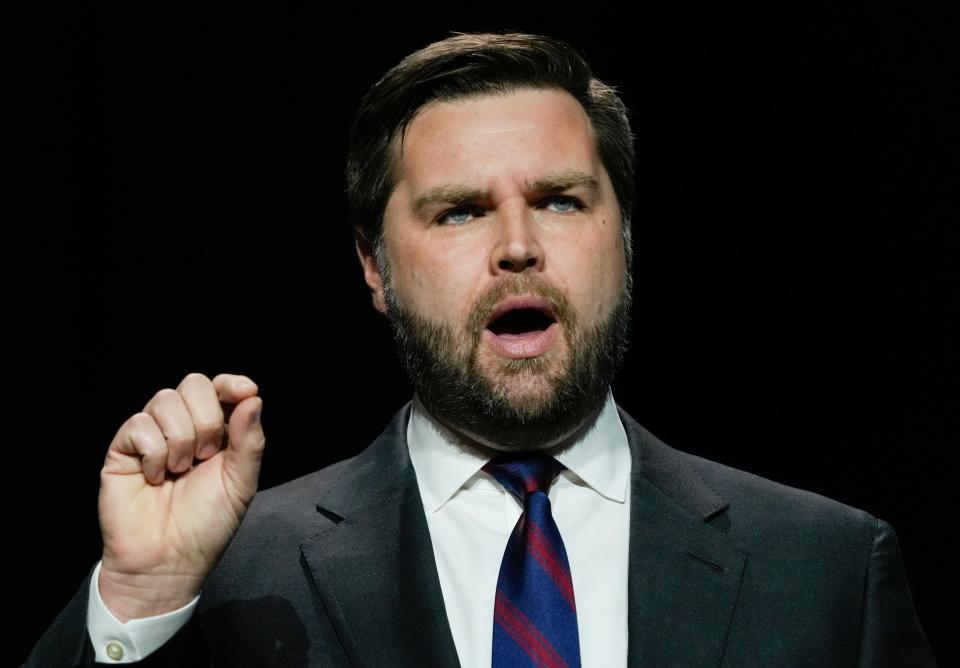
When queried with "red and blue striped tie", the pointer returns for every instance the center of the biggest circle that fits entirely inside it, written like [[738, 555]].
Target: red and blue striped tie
[[535, 616]]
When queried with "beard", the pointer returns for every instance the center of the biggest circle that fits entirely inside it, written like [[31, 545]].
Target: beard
[[512, 404]]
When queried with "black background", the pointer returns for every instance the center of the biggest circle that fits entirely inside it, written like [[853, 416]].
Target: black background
[[183, 210]]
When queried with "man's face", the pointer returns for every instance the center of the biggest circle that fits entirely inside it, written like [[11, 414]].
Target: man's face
[[505, 276]]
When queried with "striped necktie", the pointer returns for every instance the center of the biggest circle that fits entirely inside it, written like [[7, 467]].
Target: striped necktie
[[535, 617]]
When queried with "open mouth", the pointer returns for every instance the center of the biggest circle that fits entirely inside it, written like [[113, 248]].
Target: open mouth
[[521, 322], [522, 327]]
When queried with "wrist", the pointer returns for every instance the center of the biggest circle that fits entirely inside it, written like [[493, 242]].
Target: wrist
[[135, 596]]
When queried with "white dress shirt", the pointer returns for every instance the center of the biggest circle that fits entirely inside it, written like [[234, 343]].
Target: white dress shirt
[[116, 642], [470, 517]]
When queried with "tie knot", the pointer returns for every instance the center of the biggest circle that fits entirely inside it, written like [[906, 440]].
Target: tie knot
[[524, 474]]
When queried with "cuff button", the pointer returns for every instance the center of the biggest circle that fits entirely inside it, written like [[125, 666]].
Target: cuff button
[[115, 650]]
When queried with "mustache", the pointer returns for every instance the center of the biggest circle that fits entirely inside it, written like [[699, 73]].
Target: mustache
[[517, 285]]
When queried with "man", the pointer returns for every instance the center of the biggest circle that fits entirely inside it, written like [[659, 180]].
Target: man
[[512, 513]]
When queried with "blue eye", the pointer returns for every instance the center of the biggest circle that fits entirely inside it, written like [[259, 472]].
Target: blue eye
[[566, 204], [461, 215], [456, 216]]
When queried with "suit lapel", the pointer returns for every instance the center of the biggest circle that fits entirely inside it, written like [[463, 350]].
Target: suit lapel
[[374, 567], [684, 574], [375, 572]]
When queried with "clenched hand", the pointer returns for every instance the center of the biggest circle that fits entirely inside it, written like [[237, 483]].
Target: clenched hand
[[176, 483]]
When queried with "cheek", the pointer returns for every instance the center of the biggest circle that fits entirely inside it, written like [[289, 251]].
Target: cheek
[[597, 277], [440, 290]]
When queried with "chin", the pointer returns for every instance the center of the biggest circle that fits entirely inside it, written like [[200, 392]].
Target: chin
[[528, 385], [526, 393]]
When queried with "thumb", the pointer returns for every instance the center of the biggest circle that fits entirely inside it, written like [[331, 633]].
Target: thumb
[[244, 451]]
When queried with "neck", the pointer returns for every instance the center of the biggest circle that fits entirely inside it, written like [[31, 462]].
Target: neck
[[474, 443]]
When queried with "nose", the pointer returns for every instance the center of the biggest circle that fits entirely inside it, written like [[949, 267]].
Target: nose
[[517, 247]]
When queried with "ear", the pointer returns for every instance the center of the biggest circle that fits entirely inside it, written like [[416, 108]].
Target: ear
[[371, 274]]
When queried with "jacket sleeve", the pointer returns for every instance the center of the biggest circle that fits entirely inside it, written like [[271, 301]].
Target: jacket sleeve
[[891, 634], [66, 643]]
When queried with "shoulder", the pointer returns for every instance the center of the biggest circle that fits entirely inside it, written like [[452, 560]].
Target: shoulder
[[752, 510], [767, 515], [750, 493]]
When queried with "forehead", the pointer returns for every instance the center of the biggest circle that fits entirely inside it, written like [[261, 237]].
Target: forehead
[[528, 131]]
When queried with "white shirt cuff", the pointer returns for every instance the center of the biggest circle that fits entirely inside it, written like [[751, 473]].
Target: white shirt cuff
[[118, 642]]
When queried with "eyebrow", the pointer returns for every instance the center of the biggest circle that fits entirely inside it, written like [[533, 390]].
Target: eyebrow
[[564, 181], [459, 194]]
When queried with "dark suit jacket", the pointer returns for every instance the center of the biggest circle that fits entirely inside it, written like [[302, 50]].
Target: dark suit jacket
[[726, 569]]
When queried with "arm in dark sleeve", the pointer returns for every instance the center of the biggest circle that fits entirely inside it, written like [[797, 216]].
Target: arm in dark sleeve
[[66, 643], [891, 634]]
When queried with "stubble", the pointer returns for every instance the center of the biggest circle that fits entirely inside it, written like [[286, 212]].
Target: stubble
[[511, 404]]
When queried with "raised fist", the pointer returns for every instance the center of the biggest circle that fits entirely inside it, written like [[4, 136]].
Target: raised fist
[[174, 487]]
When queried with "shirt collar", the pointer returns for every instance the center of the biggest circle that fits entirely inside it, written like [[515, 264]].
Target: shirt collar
[[600, 456]]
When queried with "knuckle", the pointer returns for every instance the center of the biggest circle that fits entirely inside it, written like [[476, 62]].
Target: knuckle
[[179, 441], [139, 434], [165, 395], [194, 377], [209, 427], [140, 420]]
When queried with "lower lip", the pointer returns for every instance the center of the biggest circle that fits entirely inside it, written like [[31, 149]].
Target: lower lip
[[520, 346]]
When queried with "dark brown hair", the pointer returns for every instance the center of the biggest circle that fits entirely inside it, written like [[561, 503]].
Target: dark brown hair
[[475, 64]]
